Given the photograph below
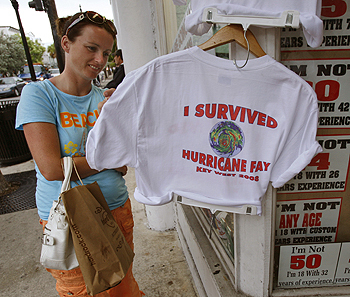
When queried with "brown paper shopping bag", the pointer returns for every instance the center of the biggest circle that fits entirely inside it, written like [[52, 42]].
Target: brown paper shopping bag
[[103, 254]]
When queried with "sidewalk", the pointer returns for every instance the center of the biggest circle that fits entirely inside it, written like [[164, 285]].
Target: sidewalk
[[159, 267]]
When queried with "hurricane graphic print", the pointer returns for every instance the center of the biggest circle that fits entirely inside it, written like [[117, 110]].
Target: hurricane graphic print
[[226, 139]]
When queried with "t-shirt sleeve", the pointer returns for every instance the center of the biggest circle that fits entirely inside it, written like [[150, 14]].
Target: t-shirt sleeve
[[299, 149], [112, 142], [35, 106]]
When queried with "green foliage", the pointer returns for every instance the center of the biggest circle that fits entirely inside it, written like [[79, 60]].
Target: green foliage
[[52, 50], [36, 50], [12, 55], [114, 48]]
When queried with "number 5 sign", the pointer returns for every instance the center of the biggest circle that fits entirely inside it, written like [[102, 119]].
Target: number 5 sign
[[307, 265]]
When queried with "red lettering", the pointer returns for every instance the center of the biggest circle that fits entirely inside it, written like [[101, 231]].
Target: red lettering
[[289, 221], [227, 165], [327, 90], [244, 165], [283, 222], [251, 118], [210, 160], [222, 110], [234, 112], [199, 169], [252, 166], [333, 8], [220, 161], [236, 164], [306, 220], [194, 156], [297, 262], [215, 161], [186, 154], [261, 119], [186, 111], [271, 122], [259, 167], [242, 114], [321, 161], [210, 113], [312, 219], [318, 219], [202, 159], [199, 110], [266, 165]]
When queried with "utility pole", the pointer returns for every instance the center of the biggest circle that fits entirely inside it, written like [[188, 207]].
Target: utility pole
[[24, 40], [50, 7], [51, 11]]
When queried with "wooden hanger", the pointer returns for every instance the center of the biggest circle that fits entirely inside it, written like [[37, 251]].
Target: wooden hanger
[[230, 33]]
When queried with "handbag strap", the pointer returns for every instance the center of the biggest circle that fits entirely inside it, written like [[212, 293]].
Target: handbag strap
[[76, 171], [67, 165]]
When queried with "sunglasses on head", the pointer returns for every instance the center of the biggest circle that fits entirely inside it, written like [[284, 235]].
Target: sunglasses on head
[[93, 17]]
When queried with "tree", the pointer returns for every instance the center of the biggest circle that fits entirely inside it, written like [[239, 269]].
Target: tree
[[52, 50], [12, 55], [36, 50]]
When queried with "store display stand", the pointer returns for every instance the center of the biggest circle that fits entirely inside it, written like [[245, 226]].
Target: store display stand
[[288, 18], [245, 209]]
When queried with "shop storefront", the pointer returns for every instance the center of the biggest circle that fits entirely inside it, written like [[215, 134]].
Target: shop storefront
[[300, 245]]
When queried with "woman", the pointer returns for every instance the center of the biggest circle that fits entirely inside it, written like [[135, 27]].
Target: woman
[[56, 116]]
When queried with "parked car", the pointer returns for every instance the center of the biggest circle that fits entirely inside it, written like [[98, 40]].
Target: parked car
[[54, 72], [11, 86], [41, 72]]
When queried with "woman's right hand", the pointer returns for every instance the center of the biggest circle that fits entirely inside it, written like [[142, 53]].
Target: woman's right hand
[[108, 93], [123, 170]]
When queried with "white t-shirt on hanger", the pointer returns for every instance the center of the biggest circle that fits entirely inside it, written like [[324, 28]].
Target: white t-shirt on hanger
[[310, 12], [195, 125]]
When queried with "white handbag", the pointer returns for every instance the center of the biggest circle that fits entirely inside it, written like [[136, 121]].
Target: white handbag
[[57, 250]]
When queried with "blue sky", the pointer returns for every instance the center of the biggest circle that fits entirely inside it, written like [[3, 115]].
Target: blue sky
[[38, 22]]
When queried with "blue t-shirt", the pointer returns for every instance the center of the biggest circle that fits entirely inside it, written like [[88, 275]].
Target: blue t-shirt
[[74, 117]]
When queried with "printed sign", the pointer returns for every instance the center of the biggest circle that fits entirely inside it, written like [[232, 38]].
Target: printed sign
[[329, 80], [343, 271], [327, 67], [327, 171], [307, 221], [319, 260], [308, 265]]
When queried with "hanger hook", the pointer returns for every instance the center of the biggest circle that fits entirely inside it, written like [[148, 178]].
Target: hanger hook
[[248, 49]]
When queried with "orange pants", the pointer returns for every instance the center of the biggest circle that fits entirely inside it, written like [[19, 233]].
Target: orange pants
[[71, 282]]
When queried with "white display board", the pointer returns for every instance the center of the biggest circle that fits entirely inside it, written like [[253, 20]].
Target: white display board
[[315, 265]]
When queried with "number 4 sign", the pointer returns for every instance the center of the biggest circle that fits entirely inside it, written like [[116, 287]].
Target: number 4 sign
[[308, 265]]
